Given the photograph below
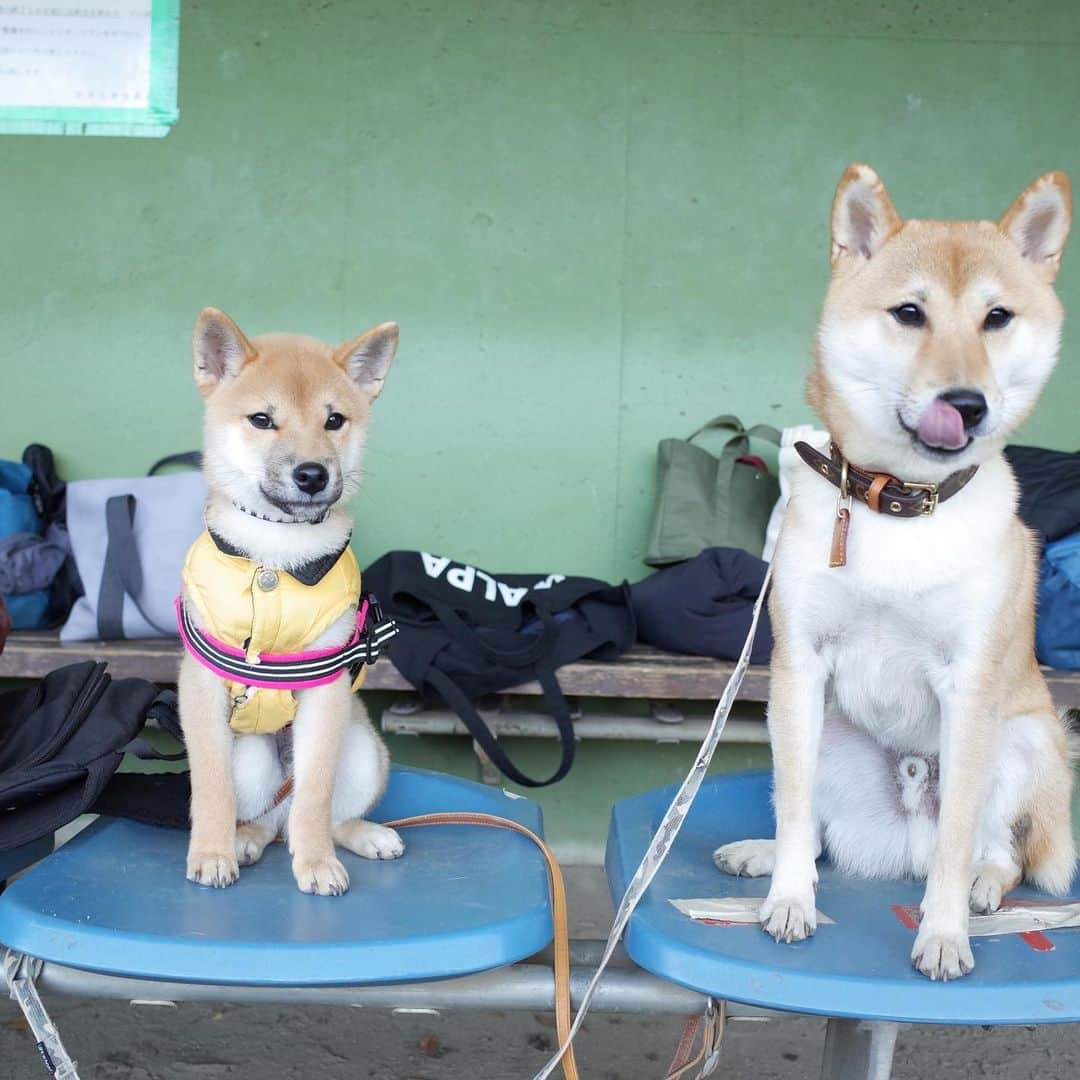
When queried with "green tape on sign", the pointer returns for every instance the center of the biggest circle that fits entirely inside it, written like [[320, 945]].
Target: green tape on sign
[[89, 67]]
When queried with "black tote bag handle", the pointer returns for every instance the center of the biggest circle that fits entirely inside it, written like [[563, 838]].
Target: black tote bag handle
[[535, 655], [452, 694], [121, 574], [530, 653]]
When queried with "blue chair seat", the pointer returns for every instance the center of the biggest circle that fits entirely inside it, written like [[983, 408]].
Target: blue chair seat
[[860, 967], [462, 899]]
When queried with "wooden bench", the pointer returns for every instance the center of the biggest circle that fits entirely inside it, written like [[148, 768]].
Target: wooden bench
[[641, 674]]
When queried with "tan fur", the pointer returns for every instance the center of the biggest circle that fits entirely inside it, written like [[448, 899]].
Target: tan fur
[[204, 716], [298, 381]]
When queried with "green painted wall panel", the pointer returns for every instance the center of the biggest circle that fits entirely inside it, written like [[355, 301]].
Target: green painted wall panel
[[598, 224]]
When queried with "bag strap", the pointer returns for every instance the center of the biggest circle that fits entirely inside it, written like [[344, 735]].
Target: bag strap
[[527, 655], [145, 751], [453, 695], [164, 711], [121, 574], [732, 423], [728, 422], [765, 432], [191, 458]]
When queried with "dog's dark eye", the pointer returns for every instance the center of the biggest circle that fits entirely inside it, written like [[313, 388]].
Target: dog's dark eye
[[908, 315], [260, 420], [996, 318], [335, 421]]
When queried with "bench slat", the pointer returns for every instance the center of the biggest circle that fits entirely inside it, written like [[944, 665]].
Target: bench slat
[[639, 673]]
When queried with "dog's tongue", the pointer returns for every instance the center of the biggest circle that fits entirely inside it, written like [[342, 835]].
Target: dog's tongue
[[942, 426]]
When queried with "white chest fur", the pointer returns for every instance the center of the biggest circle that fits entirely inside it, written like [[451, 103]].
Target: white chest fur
[[901, 622]]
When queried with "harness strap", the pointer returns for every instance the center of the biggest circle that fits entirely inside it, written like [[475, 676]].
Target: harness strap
[[290, 672]]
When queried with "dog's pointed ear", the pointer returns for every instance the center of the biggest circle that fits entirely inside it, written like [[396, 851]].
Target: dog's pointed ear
[[863, 215], [367, 359], [220, 349], [1038, 221]]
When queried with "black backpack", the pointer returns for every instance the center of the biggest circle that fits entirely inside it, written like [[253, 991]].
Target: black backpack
[[465, 633], [61, 740]]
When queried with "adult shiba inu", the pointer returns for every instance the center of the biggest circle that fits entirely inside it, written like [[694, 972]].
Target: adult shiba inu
[[271, 612], [912, 731]]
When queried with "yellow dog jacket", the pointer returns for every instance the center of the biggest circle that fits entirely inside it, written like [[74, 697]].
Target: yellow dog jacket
[[258, 624]]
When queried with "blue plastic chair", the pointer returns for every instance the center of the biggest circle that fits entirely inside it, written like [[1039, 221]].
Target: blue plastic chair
[[462, 899], [858, 969]]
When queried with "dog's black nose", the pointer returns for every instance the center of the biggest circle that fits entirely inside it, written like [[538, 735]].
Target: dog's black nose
[[970, 404], [310, 477]]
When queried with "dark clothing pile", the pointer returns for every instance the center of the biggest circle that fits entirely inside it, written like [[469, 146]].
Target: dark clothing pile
[[38, 578], [1050, 505], [1049, 489], [703, 606]]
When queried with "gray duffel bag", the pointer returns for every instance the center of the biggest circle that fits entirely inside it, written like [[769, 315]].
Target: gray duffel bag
[[129, 538]]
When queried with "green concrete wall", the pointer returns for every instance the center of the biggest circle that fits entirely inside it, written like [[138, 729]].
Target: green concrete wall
[[598, 223]]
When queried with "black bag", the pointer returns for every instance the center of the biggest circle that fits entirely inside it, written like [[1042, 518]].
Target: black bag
[[60, 743], [1049, 489], [466, 633]]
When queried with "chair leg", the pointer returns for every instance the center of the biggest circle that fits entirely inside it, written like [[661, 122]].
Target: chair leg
[[20, 972], [858, 1050]]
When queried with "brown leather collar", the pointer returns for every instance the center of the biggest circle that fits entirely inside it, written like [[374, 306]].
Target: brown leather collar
[[883, 493]]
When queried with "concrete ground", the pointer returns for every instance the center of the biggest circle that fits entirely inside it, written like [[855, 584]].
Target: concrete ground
[[116, 1041]]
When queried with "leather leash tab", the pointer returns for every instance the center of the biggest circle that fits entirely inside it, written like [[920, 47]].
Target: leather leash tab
[[838, 551]]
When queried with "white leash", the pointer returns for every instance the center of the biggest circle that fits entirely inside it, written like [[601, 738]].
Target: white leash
[[21, 972], [668, 828]]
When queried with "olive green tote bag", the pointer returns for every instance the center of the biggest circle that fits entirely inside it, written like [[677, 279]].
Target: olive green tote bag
[[707, 501]]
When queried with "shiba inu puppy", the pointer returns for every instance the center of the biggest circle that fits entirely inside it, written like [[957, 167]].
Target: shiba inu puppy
[[912, 731], [273, 577]]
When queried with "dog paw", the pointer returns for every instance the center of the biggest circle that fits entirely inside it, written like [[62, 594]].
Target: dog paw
[[746, 858], [368, 840], [324, 877], [985, 894], [942, 955], [789, 918], [251, 841], [216, 871], [989, 888]]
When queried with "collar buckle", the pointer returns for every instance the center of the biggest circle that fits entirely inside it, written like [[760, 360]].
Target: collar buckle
[[933, 495], [845, 500]]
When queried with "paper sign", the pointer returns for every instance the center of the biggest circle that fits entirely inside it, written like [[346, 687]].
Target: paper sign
[[88, 66]]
